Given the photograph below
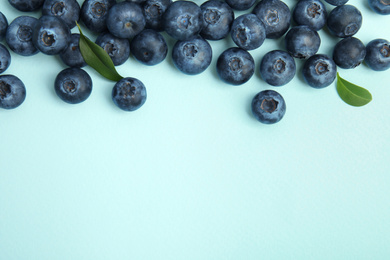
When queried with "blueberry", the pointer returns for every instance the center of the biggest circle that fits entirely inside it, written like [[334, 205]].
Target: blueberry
[[117, 48], [349, 53], [240, 5], [19, 35], [380, 6], [5, 58], [71, 56], [149, 47], [344, 21], [248, 32], [319, 71], [275, 16], [73, 85], [183, 20], [337, 2], [153, 12], [51, 35], [311, 13], [93, 13], [3, 26], [129, 94], [302, 41], [268, 107], [125, 20], [378, 54], [26, 5], [192, 56], [12, 92], [277, 68], [235, 66], [218, 17], [67, 10]]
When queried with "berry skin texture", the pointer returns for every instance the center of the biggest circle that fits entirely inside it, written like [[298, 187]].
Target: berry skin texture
[[5, 58], [71, 56], [3, 26], [27, 5], [235, 66], [275, 16], [12, 92], [277, 68], [319, 71], [240, 5], [192, 56], [73, 85], [378, 54], [93, 13], [19, 36], [302, 42], [380, 6], [129, 94], [218, 17], [67, 10], [337, 2], [311, 13], [149, 47], [248, 32], [153, 12], [349, 53], [268, 107], [344, 21], [118, 49]]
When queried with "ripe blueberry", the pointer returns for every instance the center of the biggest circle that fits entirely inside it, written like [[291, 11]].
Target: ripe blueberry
[[378, 54], [344, 21], [71, 56], [302, 41], [19, 35], [67, 10], [12, 92], [268, 107], [218, 17], [277, 68], [349, 53], [93, 13], [129, 94], [5, 58], [117, 48], [310, 12], [248, 32], [153, 12], [319, 71], [380, 6], [27, 5]]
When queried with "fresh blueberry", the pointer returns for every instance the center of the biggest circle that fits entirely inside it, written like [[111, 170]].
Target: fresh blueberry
[[3, 26], [302, 41], [240, 5], [268, 107], [192, 56], [73, 85], [129, 94], [125, 20], [149, 47], [26, 5], [51, 35], [277, 68], [153, 12], [344, 21], [378, 54], [67, 10], [19, 35], [275, 16], [380, 6], [93, 13], [311, 13], [248, 31], [235, 66], [319, 71], [349, 53], [183, 20], [5, 58], [218, 17], [12, 92], [71, 56], [337, 2], [117, 48]]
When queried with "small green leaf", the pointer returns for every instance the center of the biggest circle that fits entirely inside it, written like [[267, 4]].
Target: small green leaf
[[351, 93], [97, 58]]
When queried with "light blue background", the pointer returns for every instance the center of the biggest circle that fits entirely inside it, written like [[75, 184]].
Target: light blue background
[[192, 175]]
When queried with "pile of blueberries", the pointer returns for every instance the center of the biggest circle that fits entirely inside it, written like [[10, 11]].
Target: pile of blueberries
[[134, 27]]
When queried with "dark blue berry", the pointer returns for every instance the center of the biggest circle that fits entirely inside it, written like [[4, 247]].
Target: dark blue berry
[[73, 85], [349, 53], [5, 58], [67, 10], [3, 26], [319, 71], [93, 13], [275, 16], [311, 13], [337, 2], [235, 66], [12, 92], [117, 48], [192, 56], [378, 54], [344, 21], [129, 94], [302, 41], [27, 5], [248, 32], [218, 17], [19, 35], [153, 12], [71, 56], [268, 107], [240, 5], [149, 47], [380, 6], [277, 68]]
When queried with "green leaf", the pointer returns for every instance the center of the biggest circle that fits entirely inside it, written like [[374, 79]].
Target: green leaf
[[351, 93], [96, 57]]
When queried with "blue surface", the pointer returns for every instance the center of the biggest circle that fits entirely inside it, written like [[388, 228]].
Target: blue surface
[[192, 174]]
